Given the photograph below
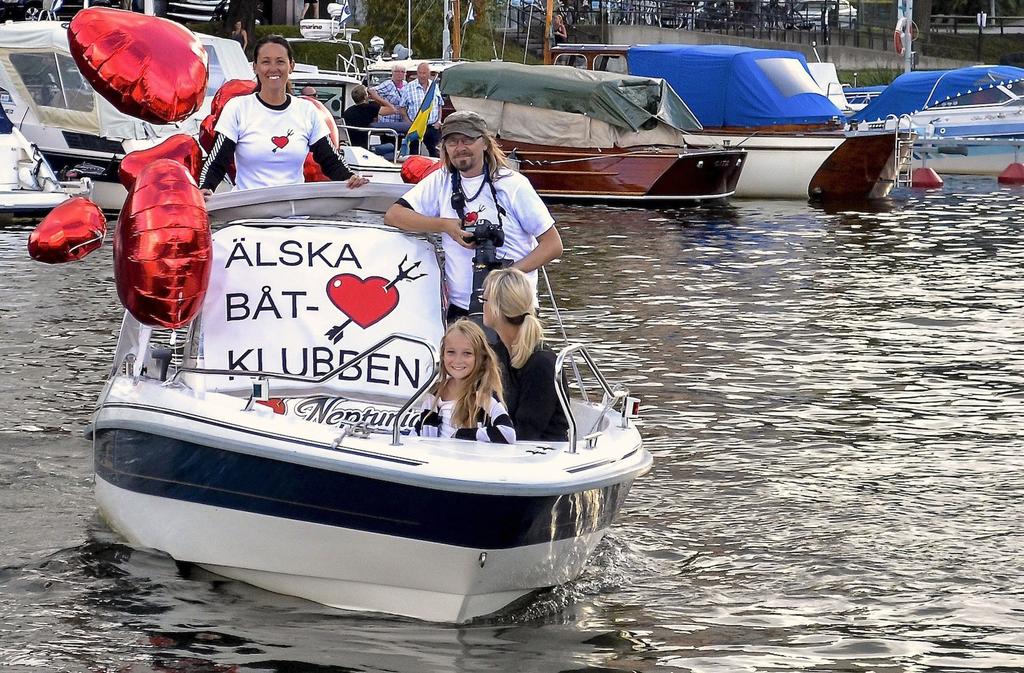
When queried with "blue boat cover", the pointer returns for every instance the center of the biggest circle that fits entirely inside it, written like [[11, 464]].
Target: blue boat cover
[[915, 91], [5, 124], [737, 86]]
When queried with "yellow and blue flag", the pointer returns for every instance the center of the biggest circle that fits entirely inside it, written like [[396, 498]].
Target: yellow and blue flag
[[419, 125]]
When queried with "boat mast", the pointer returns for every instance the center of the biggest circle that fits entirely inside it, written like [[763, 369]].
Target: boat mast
[[457, 33], [548, 10]]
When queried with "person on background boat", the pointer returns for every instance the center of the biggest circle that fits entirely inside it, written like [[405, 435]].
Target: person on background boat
[[466, 402], [413, 94], [308, 5], [363, 113], [558, 30], [529, 366], [269, 133], [240, 35], [477, 184], [389, 92]]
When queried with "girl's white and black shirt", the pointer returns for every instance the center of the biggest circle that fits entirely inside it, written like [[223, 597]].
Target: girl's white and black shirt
[[269, 144], [493, 425]]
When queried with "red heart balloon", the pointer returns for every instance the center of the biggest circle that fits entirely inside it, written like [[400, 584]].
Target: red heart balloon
[[311, 170], [364, 301], [206, 133], [180, 147], [145, 66], [69, 232], [227, 91], [162, 247]]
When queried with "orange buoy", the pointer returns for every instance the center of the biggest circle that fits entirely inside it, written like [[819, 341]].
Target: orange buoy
[[1013, 175], [925, 178]]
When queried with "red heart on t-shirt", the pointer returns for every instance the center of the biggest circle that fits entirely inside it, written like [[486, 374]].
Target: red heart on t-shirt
[[364, 301], [279, 141]]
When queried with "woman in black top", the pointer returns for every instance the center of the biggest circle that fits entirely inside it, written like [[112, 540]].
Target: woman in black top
[[529, 367]]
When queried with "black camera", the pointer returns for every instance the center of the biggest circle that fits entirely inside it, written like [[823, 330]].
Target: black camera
[[487, 237]]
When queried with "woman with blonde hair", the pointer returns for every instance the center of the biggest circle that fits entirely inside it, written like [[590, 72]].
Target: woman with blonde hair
[[530, 394], [466, 402]]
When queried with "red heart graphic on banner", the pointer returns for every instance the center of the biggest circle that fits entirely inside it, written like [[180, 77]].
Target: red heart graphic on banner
[[279, 141], [365, 302]]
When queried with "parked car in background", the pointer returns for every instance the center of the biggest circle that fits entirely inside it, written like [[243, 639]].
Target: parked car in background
[[808, 14]]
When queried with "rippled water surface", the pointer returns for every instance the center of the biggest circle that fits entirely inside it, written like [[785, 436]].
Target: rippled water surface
[[835, 401]]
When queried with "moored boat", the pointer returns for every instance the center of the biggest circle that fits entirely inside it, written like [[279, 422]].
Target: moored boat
[[583, 135], [27, 183], [968, 120], [268, 453], [766, 102]]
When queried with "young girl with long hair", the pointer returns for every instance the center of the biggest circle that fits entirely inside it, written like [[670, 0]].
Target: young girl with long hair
[[467, 402]]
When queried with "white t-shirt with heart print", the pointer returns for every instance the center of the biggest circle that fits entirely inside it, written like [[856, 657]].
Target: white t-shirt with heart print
[[526, 217], [270, 144]]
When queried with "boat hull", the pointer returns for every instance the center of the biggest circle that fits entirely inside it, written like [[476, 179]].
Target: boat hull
[[643, 174], [341, 539], [822, 166], [969, 156]]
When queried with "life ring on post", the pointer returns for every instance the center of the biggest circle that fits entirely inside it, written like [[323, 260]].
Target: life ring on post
[[897, 35]]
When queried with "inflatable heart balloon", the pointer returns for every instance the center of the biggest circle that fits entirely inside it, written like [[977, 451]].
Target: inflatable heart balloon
[[162, 247], [227, 91], [69, 232], [145, 66], [180, 147], [206, 132], [311, 170]]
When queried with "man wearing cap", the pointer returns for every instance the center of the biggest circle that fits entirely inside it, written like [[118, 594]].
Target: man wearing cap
[[477, 180]]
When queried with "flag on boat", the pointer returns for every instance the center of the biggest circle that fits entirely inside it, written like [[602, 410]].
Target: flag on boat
[[419, 125], [470, 18], [345, 14]]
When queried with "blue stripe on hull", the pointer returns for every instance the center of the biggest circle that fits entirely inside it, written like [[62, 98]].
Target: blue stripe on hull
[[171, 468]]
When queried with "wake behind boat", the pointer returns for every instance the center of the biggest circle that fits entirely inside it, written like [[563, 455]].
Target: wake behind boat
[[268, 453]]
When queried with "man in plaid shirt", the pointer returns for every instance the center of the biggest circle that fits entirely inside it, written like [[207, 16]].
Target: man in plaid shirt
[[412, 98], [389, 93]]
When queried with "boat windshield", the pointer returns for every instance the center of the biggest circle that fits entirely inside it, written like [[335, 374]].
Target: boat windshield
[[53, 80], [789, 76], [986, 96]]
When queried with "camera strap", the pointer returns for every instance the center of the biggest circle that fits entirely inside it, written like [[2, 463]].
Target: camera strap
[[459, 196]]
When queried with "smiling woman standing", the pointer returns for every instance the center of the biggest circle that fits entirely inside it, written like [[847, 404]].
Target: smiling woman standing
[[269, 133]]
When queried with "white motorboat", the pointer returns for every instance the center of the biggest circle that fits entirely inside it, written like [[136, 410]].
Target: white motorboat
[[968, 121], [266, 452], [80, 133], [27, 183]]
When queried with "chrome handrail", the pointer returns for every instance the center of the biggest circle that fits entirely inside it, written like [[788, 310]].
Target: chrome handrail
[[372, 130], [563, 394]]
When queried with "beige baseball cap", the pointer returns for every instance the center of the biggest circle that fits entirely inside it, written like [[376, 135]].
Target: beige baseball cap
[[466, 122]]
